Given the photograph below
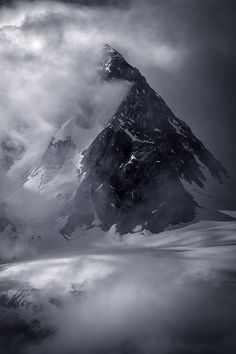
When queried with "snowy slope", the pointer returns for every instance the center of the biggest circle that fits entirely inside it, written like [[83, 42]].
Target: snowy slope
[[58, 170]]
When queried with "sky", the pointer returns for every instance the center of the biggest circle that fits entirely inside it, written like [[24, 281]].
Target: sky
[[185, 48]]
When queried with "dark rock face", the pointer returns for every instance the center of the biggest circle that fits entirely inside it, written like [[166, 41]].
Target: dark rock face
[[133, 169]]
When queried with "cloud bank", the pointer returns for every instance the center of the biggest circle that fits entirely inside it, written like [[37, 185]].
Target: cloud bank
[[135, 302]]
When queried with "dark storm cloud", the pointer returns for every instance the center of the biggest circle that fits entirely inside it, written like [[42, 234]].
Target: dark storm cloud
[[116, 3]]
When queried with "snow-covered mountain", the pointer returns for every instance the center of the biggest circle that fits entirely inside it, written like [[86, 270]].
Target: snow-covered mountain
[[57, 171], [135, 168], [138, 172]]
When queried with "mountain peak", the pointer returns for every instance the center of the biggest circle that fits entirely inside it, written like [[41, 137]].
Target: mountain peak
[[136, 168], [110, 51], [116, 67]]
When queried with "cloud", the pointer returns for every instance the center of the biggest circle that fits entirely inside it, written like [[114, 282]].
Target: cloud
[[133, 302], [49, 56]]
